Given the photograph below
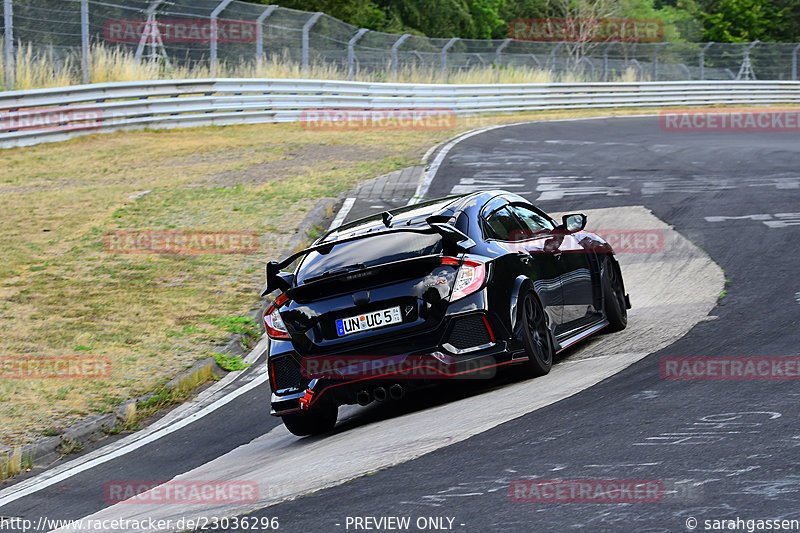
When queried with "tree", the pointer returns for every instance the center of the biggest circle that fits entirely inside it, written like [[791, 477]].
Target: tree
[[583, 12], [468, 19], [486, 17], [360, 13], [738, 21]]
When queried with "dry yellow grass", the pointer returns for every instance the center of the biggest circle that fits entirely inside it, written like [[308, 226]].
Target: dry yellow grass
[[116, 64], [11, 463]]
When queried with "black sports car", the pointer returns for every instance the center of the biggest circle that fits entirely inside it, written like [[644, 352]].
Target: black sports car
[[453, 287]]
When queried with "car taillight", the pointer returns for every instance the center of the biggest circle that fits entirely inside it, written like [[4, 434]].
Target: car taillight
[[276, 329], [470, 278]]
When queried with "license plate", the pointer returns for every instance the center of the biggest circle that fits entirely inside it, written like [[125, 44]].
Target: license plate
[[375, 319]]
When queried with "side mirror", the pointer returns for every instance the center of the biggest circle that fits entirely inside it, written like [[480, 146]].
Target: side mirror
[[574, 222]]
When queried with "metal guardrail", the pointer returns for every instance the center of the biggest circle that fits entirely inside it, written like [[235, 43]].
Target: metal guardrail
[[47, 115]]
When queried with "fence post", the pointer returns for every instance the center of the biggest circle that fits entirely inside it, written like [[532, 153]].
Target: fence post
[[447, 47], [555, 49], [585, 59], [703, 59], [213, 30], [746, 69], [8, 20], [638, 66], [151, 9], [395, 46], [794, 62], [605, 59], [260, 32], [86, 73], [306, 28], [497, 61], [351, 53], [655, 60]]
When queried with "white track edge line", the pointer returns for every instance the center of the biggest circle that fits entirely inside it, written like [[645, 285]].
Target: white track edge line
[[347, 205], [134, 445]]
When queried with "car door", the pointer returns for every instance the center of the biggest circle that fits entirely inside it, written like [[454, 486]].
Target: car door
[[572, 264], [526, 247]]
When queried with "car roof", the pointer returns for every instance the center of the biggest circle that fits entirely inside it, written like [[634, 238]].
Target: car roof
[[415, 215], [408, 216]]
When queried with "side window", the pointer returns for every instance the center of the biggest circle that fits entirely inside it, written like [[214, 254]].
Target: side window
[[532, 221], [502, 224]]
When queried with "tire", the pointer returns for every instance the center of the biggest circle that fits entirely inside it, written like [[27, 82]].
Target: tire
[[536, 337], [614, 304], [314, 422]]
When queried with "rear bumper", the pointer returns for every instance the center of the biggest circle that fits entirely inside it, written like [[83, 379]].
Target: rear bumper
[[467, 348], [418, 371]]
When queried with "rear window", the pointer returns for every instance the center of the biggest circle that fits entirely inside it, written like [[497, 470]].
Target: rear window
[[368, 252]]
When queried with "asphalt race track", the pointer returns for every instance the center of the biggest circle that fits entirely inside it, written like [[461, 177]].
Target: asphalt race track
[[720, 449]]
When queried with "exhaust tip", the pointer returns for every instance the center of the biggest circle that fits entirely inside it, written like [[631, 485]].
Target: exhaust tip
[[396, 391], [363, 397], [380, 394]]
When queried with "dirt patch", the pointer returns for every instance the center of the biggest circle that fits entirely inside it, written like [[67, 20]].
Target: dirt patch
[[296, 162]]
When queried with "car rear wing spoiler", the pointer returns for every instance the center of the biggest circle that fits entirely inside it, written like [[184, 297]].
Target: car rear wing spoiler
[[278, 280]]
